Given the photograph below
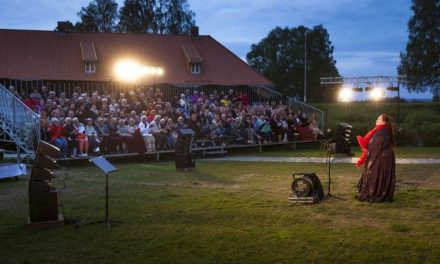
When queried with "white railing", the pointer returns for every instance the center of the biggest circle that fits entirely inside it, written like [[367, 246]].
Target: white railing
[[297, 106], [19, 123]]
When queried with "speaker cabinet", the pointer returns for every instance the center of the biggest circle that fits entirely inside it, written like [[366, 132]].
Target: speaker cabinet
[[43, 206], [44, 161], [183, 156], [48, 149], [43, 198], [39, 187], [343, 139], [185, 162], [41, 174]]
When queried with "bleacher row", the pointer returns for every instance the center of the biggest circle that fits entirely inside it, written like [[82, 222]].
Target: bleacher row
[[205, 149], [140, 122]]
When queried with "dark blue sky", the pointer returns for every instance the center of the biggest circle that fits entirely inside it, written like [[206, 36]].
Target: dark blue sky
[[368, 35]]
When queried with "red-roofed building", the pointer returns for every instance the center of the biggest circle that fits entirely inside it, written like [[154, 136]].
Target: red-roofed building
[[63, 60]]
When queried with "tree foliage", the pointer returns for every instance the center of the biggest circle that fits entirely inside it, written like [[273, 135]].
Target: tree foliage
[[137, 16], [98, 16], [177, 18], [421, 60], [280, 57]]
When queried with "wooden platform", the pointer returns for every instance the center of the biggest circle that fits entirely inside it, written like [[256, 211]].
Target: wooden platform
[[209, 149]]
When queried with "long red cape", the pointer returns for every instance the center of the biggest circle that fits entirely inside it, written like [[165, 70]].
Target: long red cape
[[363, 143]]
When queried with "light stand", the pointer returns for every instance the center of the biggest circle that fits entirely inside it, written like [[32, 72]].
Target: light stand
[[107, 168]]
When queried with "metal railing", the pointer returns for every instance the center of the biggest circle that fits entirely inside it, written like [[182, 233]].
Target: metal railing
[[295, 105], [19, 124]]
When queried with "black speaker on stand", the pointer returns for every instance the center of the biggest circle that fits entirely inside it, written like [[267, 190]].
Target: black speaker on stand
[[343, 139], [44, 198], [184, 158]]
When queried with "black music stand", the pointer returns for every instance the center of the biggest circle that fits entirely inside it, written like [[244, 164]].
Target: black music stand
[[106, 168], [330, 151]]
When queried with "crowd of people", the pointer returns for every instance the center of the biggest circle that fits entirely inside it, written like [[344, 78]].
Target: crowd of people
[[140, 120]]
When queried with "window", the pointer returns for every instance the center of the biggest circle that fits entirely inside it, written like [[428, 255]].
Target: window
[[195, 68], [90, 67]]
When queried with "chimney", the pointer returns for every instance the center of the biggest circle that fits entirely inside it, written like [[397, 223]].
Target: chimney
[[195, 31], [63, 26]]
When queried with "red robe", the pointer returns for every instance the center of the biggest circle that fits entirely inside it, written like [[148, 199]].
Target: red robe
[[363, 143], [379, 176]]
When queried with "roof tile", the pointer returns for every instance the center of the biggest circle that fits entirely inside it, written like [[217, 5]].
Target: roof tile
[[48, 55]]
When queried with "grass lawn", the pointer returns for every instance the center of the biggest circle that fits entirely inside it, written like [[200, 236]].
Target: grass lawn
[[227, 212]]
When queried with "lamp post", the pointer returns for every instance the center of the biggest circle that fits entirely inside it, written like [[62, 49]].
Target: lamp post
[[397, 89], [305, 66]]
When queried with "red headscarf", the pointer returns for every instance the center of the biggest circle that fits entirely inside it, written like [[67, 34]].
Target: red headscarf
[[363, 143]]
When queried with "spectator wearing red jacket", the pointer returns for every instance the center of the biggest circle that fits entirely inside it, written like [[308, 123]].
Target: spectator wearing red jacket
[[57, 135]]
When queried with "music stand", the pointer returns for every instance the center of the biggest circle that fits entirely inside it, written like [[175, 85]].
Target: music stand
[[331, 149], [106, 167]]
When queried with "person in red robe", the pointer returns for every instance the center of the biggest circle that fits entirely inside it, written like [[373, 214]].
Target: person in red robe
[[378, 178]]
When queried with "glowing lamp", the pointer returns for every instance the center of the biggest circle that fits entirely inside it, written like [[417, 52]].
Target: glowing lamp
[[345, 95], [128, 70], [377, 94]]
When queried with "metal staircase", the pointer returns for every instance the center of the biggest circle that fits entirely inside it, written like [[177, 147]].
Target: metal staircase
[[297, 106], [19, 125]]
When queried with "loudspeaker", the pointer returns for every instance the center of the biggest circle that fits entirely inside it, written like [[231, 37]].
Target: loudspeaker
[[343, 139], [43, 198], [43, 206], [183, 142], [306, 189], [40, 187], [47, 149], [41, 174], [183, 156], [43, 161], [185, 162]]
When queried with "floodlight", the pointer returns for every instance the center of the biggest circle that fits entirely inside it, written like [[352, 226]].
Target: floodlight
[[345, 95], [377, 93], [128, 70], [131, 71], [393, 88], [159, 71]]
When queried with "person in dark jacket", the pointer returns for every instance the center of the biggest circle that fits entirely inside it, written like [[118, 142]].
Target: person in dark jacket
[[378, 179]]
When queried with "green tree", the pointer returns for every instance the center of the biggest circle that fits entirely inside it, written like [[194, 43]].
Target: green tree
[[173, 17], [421, 60], [137, 16], [98, 16], [67, 26], [280, 57]]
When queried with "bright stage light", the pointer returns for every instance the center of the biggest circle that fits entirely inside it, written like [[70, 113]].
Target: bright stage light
[[128, 70], [159, 71], [377, 93], [345, 95], [132, 71]]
